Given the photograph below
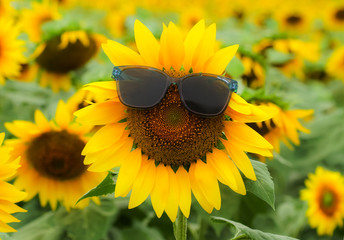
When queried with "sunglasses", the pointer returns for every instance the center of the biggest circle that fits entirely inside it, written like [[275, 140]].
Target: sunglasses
[[144, 87]]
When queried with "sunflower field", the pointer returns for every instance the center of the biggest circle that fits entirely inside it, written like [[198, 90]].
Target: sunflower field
[[152, 120]]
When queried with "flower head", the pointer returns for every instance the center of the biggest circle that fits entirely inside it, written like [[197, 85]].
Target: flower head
[[64, 53], [166, 151], [11, 49], [9, 194], [51, 156], [283, 126], [335, 64], [324, 194]]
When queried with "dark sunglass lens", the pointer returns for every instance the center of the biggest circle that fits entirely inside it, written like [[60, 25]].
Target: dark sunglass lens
[[141, 88], [205, 95]]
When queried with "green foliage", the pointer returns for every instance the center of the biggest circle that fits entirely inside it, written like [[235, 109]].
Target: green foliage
[[244, 232], [91, 223], [263, 187], [235, 68], [107, 186]]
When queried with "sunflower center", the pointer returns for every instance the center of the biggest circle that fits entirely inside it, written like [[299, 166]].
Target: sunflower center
[[340, 14], [57, 155], [328, 202], [75, 55], [250, 77], [293, 20], [264, 129], [170, 134]]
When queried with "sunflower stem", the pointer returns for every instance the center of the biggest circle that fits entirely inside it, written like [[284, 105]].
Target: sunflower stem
[[180, 226]]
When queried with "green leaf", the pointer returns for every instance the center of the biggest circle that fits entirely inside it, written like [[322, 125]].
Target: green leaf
[[263, 187], [107, 186], [4, 236], [244, 231], [235, 68], [276, 57], [43, 227], [91, 223]]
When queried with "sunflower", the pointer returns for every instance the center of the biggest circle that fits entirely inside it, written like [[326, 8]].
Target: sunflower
[[33, 19], [335, 64], [6, 8], [63, 53], [11, 50], [51, 156], [167, 152], [9, 194], [299, 50], [283, 126], [324, 194], [254, 73], [292, 17], [333, 15]]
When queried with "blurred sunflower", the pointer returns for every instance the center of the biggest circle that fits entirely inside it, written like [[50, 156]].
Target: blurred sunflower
[[28, 72], [292, 17], [51, 156], [335, 64], [11, 49], [284, 125], [33, 19], [300, 51], [254, 73], [324, 194], [9, 194], [6, 10], [334, 15], [63, 53], [175, 151]]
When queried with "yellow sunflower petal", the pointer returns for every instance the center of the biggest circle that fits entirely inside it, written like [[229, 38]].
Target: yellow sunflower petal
[[242, 162], [116, 158], [207, 182], [2, 137], [219, 61], [204, 49], [5, 228], [173, 196], [10, 207], [144, 182], [185, 191], [239, 105], [41, 121], [63, 116], [160, 192], [121, 55], [128, 172], [147, 45], [7, 218], [191, 41], [198, 193], [101, 113], [220, 163], [104, 137], [12, 193], [171, 48], [106, 89], [244, 134]]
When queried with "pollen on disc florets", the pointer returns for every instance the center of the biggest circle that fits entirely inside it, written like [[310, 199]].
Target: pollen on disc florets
[[170, 134], [57, 155], [263, 129]]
